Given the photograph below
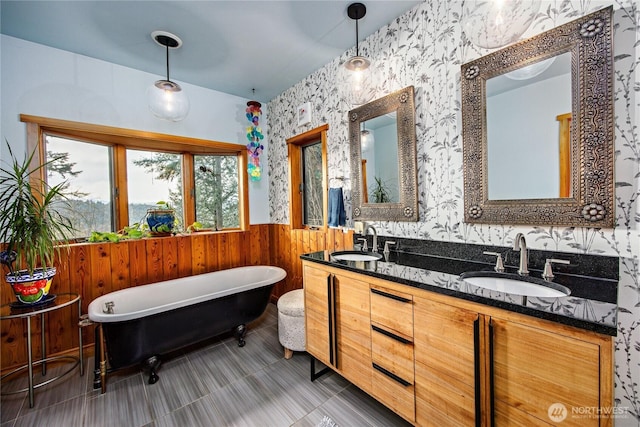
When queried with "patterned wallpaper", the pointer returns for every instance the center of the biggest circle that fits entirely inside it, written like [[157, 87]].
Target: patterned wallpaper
[[425, 48]]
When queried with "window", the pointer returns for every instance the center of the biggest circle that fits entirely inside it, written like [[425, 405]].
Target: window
[[115, 174], [153, 177], [216, 191], [312, 214], [86, 168], [308, 177]]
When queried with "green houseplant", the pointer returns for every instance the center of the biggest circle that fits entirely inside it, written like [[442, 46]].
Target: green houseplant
[[380, 193], [32, 228]]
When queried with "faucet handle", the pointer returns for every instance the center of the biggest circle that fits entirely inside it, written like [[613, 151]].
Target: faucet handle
[[386, 246], [365, 247], [499, 263], [547, 274]]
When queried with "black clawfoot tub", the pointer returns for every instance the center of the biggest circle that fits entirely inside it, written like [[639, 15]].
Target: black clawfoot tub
[[141, 323]]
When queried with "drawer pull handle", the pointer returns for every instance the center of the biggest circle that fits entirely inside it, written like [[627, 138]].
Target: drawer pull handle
[[388, 295], [330, 315], [390, 335], [476, 369], [391, 375], [335, 321], [491, 374]]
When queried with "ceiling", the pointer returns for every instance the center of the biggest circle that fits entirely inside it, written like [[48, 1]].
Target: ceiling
[[229, 46]]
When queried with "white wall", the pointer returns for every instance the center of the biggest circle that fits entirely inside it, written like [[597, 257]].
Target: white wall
[[42, 81]]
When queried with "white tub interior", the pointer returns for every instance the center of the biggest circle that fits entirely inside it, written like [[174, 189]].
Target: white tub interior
[[145, 300]]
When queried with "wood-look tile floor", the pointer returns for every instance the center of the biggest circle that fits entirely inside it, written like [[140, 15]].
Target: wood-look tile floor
[[214, 384]]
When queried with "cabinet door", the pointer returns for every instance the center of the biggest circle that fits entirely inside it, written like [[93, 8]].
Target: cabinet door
[[534, 369], [446, 341], [317, 289], [353, 331]]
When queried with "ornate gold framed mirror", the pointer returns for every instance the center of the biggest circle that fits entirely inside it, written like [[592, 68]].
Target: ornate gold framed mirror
[[382, 138], [537, 127]]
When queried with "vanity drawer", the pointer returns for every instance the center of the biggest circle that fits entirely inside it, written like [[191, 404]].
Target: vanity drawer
[[392, 352], [392, 310], [396, 395]]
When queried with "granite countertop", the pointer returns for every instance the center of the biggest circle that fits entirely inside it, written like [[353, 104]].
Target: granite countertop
[[592, 304]]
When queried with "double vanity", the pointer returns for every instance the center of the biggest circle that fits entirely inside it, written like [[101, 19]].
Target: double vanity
[[450, 334], [408, 329]]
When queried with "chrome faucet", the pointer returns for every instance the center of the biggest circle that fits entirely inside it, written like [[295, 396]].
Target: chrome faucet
[[375, 237], [520, 244]]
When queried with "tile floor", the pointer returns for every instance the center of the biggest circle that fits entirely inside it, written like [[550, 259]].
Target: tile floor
[[213, 384]]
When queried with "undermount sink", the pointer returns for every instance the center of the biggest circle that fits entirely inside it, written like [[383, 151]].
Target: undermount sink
[[515, 284], [356, 256]]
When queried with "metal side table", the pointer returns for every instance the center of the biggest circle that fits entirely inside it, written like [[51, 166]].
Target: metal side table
[[13, 311]]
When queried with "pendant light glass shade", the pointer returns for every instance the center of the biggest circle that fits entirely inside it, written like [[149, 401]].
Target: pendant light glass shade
[[367, 139], [358, 80], [530, 71], [497, 23], [166, 99], [358, 75]]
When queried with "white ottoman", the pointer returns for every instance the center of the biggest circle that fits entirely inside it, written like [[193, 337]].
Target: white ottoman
[[291, 322]]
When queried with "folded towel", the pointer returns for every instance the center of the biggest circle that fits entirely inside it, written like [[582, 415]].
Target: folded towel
[[337, 214]]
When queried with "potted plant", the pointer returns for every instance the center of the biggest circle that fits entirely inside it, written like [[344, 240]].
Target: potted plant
[[129, 232], [161, 219], [32, 228], [380, 193]]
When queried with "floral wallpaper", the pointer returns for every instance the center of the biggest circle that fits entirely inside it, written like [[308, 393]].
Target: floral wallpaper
[[425, 47]]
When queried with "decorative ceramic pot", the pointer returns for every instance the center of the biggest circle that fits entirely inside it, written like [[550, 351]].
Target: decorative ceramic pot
[[31, 288], [161, 221]]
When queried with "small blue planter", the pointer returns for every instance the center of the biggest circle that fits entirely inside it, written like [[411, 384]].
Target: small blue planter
[[161, 221]]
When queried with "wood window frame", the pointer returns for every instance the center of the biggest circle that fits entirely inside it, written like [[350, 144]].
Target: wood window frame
[[122, 139], [564, 151], [295, 145]]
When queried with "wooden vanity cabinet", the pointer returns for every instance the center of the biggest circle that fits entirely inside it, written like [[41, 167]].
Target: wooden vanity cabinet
[[441, 361], [337, 323]]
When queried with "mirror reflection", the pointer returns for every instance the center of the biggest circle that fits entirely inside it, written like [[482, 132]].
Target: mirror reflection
[[533, 130], [379, 144], [382, 145]]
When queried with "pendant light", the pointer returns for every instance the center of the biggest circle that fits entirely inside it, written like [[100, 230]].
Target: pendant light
[[358, 71], [166, 99], [497, 23], [366, 138], [530, 71]]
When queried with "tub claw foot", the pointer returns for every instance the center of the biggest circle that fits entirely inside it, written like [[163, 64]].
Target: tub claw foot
[[97, 380], [152, 364], [241, 332]]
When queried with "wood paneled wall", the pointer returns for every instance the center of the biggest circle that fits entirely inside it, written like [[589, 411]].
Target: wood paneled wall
[[287, 245], [95, 269]]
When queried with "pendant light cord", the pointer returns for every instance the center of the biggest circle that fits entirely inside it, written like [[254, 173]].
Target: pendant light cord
[[167, 46], [357, 47]]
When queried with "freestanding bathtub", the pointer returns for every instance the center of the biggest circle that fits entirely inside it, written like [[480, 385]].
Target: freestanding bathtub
[[141, 323]]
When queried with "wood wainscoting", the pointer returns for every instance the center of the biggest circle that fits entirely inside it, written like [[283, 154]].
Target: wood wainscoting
[[95, 269]]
